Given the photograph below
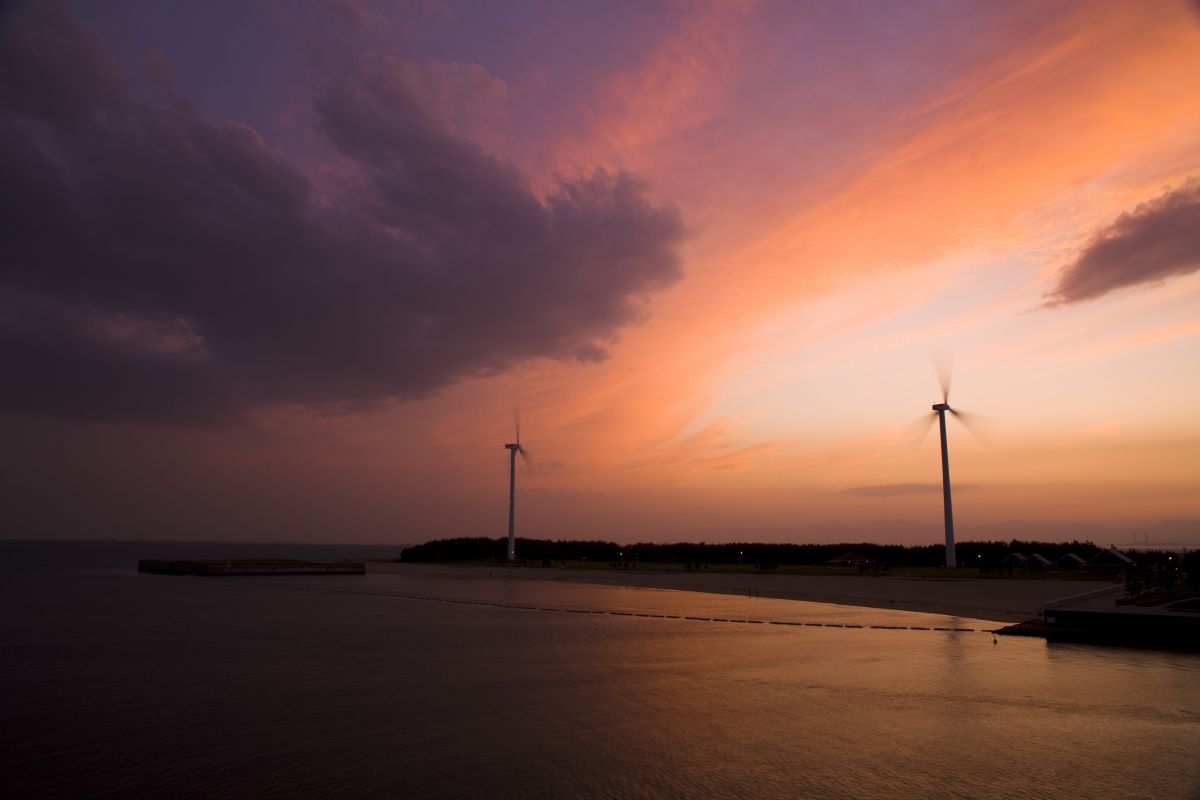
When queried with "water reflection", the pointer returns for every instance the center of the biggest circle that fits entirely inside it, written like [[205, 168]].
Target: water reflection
[[195, 687]]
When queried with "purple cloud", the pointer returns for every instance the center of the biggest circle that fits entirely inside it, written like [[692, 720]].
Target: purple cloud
[[1158, 239], [160, 266]]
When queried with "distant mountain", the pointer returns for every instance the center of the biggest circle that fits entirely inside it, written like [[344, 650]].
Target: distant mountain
[[1167, 533], [1028, 530], [1175, 532]]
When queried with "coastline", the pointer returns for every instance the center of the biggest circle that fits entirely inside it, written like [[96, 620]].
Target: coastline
[[1005, 600]]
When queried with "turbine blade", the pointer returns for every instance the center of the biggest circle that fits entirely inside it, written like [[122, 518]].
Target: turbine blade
[[943, 363], [517, 422], [977, 425], [919, 428], [528, 459]]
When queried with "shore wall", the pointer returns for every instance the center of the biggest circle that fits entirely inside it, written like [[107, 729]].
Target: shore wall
[[1168, 629]]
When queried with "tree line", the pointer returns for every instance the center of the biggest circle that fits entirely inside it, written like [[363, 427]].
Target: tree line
[[970, 554]]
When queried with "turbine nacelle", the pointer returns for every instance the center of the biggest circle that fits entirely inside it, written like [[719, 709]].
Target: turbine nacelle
[[942, 407]]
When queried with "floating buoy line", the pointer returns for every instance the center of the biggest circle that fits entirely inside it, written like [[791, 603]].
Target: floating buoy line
[[644, 614]]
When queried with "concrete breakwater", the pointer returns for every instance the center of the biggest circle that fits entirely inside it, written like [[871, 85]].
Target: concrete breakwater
[[1097, 617], [215, 567]]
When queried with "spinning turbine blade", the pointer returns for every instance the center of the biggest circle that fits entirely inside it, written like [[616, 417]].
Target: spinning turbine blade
[[944, 364], [517, 422], [976, 424], [528, 459], [919, 428]]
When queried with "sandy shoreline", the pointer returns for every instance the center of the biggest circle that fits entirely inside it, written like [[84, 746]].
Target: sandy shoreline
[[1000, 599]]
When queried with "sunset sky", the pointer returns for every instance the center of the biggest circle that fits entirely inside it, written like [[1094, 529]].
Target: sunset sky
[[282, 270]]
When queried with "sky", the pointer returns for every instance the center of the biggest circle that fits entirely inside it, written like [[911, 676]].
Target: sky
[[283, 271]]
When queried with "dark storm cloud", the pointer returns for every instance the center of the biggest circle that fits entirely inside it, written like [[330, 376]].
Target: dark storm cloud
[[159, 266], [897, 489], [1156, 240]]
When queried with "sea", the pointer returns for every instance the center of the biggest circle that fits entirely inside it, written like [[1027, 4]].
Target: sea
[[471, 684]]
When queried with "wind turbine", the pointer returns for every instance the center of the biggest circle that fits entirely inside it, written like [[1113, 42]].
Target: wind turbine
[[939, 411], [513, 448]]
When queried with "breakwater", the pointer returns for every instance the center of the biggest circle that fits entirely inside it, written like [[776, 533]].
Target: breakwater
[[1097, 617], [213, 567]]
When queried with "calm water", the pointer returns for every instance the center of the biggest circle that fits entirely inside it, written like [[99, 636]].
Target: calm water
[[114, 684]]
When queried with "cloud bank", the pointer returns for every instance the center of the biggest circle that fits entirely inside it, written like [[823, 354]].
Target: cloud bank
[[159, 266], [1158, 239]]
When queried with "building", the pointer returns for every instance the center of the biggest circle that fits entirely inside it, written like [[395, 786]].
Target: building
[[1038, 563], [1069, 563], [1108, 562], [1013, 562], [850, 559]]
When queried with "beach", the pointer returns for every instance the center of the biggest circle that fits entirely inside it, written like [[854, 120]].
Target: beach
[[997, 599]]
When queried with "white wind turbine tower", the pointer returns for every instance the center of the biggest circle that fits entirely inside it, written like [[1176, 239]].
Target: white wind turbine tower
[[939, 412], [514, 448]]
